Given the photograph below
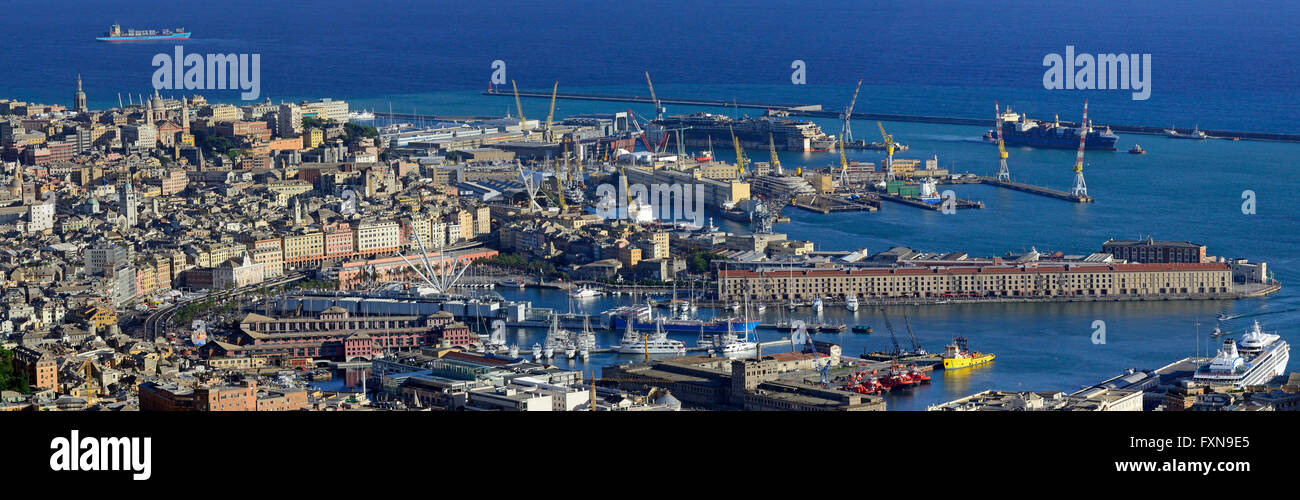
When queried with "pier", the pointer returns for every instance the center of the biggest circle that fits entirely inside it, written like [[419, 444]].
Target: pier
[[816, 111], [827, 204], [1024, 188], [958, 202]]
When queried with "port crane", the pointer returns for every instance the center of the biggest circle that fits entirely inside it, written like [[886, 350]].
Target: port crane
[[518, 105], [776, 160], [889, 152], [1004, 174], [844, 166], [637, 126], [740, 153], [1080, 187], [897, 350], [846, 131], [916, 346], [659, 108], [547, 134]]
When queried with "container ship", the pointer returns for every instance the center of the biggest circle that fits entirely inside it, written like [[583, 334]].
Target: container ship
[[701, 130], [117, 34], [1019, 130]]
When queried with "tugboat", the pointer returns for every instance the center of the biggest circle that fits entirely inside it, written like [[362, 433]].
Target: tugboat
[[897, 379], [958, 355], [864, 383], [1137, 150]]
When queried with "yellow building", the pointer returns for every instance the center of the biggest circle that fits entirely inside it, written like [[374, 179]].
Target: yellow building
[[312, 138], [305, 247]]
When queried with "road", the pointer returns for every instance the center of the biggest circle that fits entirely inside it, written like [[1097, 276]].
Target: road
[[155, 324]]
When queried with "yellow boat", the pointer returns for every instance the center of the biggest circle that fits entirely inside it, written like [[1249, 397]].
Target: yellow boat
[[957, 355]]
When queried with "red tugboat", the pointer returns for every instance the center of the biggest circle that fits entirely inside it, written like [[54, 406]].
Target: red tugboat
[[863, 383], [897, 379], [918, 376], [1137, 150]]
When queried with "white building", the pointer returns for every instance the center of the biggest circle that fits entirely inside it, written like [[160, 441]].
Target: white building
[[40, 217]]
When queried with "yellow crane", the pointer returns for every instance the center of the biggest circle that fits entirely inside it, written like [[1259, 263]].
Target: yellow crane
[[740, 153], [889, 151], [1004, 174], [519, 105], [547, 134], [844, 166], [771, 147], [559, 185]]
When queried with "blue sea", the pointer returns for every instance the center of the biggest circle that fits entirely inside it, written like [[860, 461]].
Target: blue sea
[[1213, 66]]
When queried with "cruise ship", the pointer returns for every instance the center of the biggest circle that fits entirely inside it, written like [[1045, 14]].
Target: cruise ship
[[1019, 130], [1254, 360], [117, 34], [701, 130], [656, 343]]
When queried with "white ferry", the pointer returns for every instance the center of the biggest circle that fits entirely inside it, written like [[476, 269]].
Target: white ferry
[[1256, 359]]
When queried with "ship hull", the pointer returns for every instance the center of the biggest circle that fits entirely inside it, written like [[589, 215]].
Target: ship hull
[[148, 38], [958, 363], [1058, 138]]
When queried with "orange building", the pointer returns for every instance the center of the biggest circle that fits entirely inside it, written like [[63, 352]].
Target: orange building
[[41, 368]]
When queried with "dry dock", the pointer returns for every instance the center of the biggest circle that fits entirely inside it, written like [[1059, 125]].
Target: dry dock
[[828, 204]]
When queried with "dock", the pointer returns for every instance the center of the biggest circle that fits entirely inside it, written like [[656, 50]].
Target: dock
[[816, 111], [1024, 188], [959, 203], [827, 204]]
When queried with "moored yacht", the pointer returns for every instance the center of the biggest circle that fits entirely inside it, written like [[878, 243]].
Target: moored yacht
[[851, 303], [656, 343]]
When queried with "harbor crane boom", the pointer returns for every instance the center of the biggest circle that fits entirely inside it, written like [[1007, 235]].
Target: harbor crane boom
[[1004, 174], [1080, 187], [740, 153], [889, 151], [916, 346], [844, 167], [897, 350], [659, 108], [547, 134], [846, 131], [519, 105], [776, 160]]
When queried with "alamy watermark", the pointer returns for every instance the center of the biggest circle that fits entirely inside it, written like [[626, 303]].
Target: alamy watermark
[[1100, 72], [637, 202], [181, 71]]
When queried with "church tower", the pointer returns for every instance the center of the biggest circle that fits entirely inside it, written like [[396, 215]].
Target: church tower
[[79, 98], [129, 203]]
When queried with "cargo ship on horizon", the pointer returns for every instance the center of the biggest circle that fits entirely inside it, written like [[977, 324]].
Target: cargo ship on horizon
[[701, 130], [1019, 130], [117, 34]]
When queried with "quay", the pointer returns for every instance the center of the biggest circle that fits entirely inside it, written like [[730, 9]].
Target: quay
[[827, 204], [816, 111], [959, 203], [1038, 190]]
